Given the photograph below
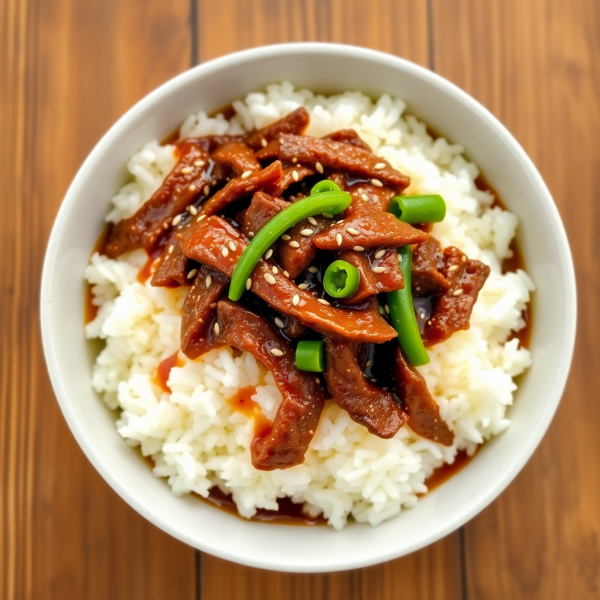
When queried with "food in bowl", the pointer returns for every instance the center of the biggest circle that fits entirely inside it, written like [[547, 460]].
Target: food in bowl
[[278, 353]]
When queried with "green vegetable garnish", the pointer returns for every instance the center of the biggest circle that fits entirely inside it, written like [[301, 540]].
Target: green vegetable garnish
[[325, 197], [418, 209], [402, 313], [341, 279], [310, 356]]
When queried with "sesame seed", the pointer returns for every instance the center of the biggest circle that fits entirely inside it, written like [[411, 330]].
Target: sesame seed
[[232, 246], [457, 292], [323, 302], [378, 269], [171, 248], [176, 220], [268, 253], [358, 249], [381, 310], [452, 268], [312, 221], [464, 258], [208, 281], [279, 322], [296, 300], [295, 176], [217, 328], [422, 315], [248, 283], [286, 273], [275, 270], [251, 234], [263, 143], [186, 170], [224, 251], [352, 231], [376, 183], [206, 190], [192, 273], [200, 218], [276, 352], [380, 166], [327, 215], [286, 237], [387, 309], [303, 286], [364, 197], [246, 174], [313, 269], [269, 278], [249, 188], [319, 167], [295, 159], [307, 232], [192, 187], [369, 363], [338, 239], [198, 163], [213, 305], [294, 244], [379, 254], [192, 209]]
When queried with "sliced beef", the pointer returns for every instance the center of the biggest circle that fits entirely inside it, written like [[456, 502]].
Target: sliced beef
[[236, 156], [292, 327], [366, 403], [348, 136], [427, 278], [240, 187], [269, 152], [181, 187], [369, 230], [296, 122], [422, 410], [210, 143], [368, 198], [452, 310], [340, 156], [173, 266], [198, 311], [215, 243], [291, 175], [303, 398], [261, 210]]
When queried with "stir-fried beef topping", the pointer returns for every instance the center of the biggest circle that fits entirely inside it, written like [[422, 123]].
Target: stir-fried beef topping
[[340, 156], [303, 397], [422, 410], [452, 310], [367, 404], [219, 196], [369, 230]]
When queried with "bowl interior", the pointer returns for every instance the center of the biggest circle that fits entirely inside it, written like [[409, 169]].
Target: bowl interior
[[325, 68]]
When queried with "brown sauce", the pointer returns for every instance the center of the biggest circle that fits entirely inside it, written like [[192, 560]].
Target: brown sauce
[[161, 377], [90, 310], [447, 471], [146, 271], [242, 402]]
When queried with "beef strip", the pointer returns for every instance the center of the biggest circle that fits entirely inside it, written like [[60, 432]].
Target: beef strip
[[208, 242], [261, 210], [426, 264], [298, 253], [292, 327], [340, 156], [452, 310], [303, 398], [210, 143], [366, 403], [289, 178], [349, 136], [269, 152], [173, 266], [198, 311], [181, 187], [238, 157], [368, 198], [240, 187], [296, 122], [369, 230], [422, 410]]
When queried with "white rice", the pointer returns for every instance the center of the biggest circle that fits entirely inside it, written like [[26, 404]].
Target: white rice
[[195, 437]]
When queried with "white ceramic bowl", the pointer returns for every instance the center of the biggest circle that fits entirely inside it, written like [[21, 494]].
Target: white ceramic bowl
[[326, 68]]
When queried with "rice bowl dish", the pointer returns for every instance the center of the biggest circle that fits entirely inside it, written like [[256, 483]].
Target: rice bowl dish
[[198, 440]]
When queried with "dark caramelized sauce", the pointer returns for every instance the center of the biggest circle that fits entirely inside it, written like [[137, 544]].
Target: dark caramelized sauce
[[446, 471], [90, 310], [146, 271], [242, 402], [161, 377]]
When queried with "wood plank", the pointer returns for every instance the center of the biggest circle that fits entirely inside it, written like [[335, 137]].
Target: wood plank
[[534, 64], [230, 25], [68, 69]]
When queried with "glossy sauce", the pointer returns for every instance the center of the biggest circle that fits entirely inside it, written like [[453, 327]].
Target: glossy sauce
[[161, 377], [146, 271], [446, 471]]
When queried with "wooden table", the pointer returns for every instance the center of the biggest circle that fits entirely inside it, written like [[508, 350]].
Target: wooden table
[[68, 69]]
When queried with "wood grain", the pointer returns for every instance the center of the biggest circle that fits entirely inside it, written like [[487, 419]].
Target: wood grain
[[230, 25], [68, 70], [535, 65]]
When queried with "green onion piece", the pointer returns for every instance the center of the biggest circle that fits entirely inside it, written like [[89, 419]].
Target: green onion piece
[[402, 313], [341, 279], [310, 356], [418, 209], [325, 197]]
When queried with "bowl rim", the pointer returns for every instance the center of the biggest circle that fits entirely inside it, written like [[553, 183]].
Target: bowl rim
[[348, 51]]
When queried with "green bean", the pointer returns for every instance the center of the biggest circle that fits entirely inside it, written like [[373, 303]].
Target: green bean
[[310, 356], [341, 279], [418, 209]]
